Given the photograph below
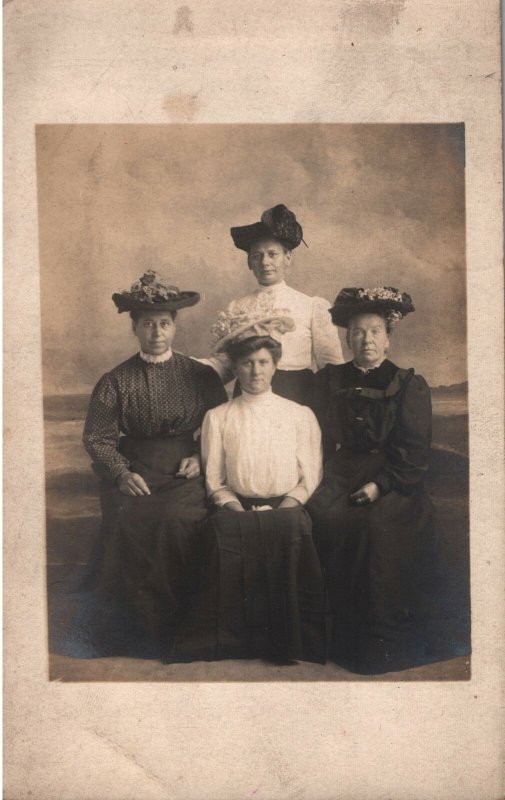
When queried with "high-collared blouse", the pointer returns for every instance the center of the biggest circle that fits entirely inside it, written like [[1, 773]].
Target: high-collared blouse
[[148, 397], [261, 446], [313, 343]]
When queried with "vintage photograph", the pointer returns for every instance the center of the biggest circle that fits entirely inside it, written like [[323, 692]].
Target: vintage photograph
[[255, 400]]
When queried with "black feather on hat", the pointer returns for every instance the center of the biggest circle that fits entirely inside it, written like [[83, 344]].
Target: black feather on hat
[[276, 223], [384, 300]]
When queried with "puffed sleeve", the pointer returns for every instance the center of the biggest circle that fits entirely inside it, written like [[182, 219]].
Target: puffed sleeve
[[213, 391], [220, 364], [101, 429], [407, 451], [326, 347], [214, 460], [319, 403], [309, 456]]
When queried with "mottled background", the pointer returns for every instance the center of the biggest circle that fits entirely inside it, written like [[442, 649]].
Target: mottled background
[[379, 204]]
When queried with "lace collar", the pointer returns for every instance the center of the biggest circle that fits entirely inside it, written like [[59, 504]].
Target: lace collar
[[161, 359], [366, 370]]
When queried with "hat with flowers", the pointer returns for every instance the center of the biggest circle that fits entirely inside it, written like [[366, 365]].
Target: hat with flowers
[[152, 292], [276, 223], [256, 317], [384, 300]]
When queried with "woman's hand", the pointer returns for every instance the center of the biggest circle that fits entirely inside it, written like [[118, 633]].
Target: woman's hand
[[289, 502], [133, 484], [234, 505], [189, 467], [368, 493]]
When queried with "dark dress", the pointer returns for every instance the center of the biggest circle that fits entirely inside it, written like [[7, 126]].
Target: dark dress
[[262, 592], [376, 427], [143, 417]]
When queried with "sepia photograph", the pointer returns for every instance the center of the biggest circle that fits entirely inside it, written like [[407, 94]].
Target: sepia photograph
[[253, 407], [255, 385]]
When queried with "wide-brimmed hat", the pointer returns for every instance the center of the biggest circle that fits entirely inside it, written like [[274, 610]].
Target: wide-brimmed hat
[[276, 223], [152, 292], [384, 300], [258, 317]]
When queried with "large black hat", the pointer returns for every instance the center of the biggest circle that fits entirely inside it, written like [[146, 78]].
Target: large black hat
[[276, 223], [153, 293], [384, 300]]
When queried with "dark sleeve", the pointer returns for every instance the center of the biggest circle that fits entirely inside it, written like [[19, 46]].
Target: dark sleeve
[[213, 391], [101, 429], [407, 450], [319, 405], [213, 394]]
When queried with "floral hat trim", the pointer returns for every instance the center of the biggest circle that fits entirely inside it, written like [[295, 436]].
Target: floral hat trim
[[153, 292], [256, 318], [386, 300]]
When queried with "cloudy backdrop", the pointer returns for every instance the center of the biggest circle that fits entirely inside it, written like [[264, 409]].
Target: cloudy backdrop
[[379, 204]]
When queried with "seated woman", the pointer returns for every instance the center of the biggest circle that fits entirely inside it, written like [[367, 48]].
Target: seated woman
[[140, 433], [263, 594], [371, 515]]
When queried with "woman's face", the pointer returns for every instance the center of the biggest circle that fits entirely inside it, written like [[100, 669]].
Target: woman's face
[[155, 331], [269, 261], [368, 339], [255, 371]]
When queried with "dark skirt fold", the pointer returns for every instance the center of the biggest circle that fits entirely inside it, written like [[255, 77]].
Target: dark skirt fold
[[262, 594], [381, 564], [144, 565]]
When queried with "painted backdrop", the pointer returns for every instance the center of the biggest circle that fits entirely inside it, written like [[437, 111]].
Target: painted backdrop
[[379, 204]]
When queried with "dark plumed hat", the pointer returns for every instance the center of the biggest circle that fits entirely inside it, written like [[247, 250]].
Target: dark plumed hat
[[384, 300], [153, 293], [276, 223]]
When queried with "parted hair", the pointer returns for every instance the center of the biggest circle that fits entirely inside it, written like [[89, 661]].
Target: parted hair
[[252, 344]]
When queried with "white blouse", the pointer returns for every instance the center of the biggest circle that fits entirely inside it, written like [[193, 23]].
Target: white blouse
[[313, 343], [261, 446]]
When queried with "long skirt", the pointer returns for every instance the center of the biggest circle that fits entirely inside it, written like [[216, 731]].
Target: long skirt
[[296, 385], [143, 568], [263, 594], [376, 559]]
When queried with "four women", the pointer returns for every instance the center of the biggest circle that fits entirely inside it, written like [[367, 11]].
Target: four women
[[248, 570]]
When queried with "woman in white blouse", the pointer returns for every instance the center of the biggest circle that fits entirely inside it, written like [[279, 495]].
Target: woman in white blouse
[[263, 592], [313, 342]]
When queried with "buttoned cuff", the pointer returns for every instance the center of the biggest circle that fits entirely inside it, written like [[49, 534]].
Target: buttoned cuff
[[223, 496], [117, 469], [384, 482], [299, 493]]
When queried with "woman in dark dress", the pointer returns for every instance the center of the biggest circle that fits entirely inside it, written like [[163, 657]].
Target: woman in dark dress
[[372, 517], [140, 432]]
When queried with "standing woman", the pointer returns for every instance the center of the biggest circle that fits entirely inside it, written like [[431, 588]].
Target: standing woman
[[313, 341], [372, 517], [140, 432], [263, 591]]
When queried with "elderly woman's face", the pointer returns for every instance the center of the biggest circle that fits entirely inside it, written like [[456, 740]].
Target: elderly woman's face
[[255, 371], [368, 339], [269, 261], [155, 331]]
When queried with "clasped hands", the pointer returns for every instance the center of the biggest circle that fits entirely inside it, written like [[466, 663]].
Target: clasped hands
[[368, 493], [287, 502], [132, 483]]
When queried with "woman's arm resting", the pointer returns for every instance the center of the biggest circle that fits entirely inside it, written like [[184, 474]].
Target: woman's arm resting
[[189, 467], [368, 493], [132, 483]]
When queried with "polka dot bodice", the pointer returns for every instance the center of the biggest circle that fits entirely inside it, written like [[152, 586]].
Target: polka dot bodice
[[143, 401]]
